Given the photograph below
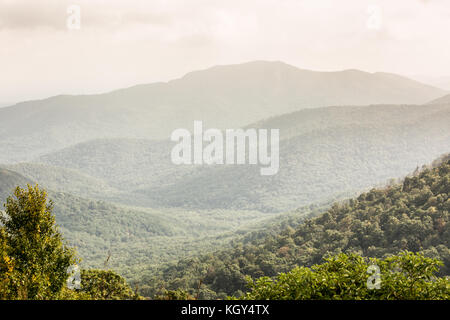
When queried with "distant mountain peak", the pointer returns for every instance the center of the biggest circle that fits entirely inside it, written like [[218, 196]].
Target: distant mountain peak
[[227, 96]]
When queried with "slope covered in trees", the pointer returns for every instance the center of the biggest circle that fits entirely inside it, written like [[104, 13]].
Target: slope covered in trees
[[64, 180], [325, 153], [134, 237], [37, 264], [412, 215], [9, 180]]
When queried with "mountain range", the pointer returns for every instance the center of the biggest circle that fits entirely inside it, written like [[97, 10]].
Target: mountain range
[[222, 97], [324, 153], [105, 159]]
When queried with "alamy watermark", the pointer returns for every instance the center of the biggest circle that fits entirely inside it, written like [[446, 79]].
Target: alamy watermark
[[73, 21], [375, 19], [374, 280], [74, 279], [239, 146]]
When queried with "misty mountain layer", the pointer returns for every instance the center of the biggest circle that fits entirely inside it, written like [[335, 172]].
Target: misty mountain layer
[[222, 97]]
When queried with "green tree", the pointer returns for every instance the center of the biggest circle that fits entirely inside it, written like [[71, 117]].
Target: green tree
[[32, 242], [6, 268], [178, 294], [106, 285], [405, 276]]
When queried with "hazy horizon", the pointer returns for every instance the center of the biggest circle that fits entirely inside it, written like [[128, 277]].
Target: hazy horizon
[[121, 44], [224, 150], [431, 81]]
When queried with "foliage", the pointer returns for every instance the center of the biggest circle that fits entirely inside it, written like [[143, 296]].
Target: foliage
[[136, 237], [413, 216], [174, 295], [34, 258], [325, 154], [106, 285], [6, 268], [410, 216], [35, 245], [406, 276]]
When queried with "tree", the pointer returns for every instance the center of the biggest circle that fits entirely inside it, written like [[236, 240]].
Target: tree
[[106, 285], [406, 276], [6, 268], [33, 244]]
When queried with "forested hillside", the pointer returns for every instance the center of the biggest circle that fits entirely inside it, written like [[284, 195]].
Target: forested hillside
[[132, 238], [105, 161], [36, 263], [412, 215], [8, 181], [124, 197], [65, 180], [325, 153]]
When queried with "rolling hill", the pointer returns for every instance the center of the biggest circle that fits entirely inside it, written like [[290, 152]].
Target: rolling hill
[[9, 180], [123, 163], [105, 158], [134, 237], [343, 151], [223, 97], [412, 215], [64, 180], [325, 153]]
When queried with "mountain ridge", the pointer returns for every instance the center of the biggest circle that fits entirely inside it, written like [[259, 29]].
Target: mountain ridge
[[222, 97], [379, 141], [410, 215]]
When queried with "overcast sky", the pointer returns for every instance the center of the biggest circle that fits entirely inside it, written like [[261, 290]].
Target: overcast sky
[[122, 43]]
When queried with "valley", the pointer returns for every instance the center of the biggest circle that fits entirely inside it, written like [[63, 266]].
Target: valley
[[121, 202]]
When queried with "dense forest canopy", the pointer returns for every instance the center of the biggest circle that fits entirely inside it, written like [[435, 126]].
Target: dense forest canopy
[[124, 197], [410, 218], [406, 276], [325, 153], [413, 216]]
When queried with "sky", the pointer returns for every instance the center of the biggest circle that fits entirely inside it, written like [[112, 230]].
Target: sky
[[122, 43]]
